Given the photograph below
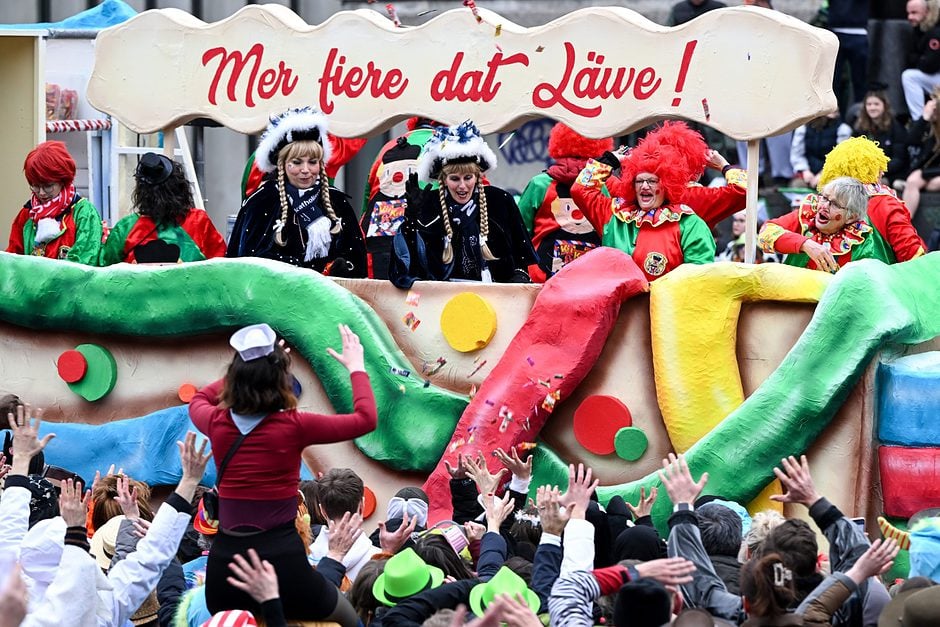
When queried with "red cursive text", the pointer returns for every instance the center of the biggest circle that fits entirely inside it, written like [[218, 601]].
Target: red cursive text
[[356, 80], [267, 84], [594, 82], [474, 85]]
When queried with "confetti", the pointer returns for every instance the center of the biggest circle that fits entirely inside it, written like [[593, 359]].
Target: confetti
[[506, 414], [559, 376], [477, 369], [472, 5], [425, 12], [473, 391], [500, 49], [548, 404], [490, 403], [708, 115], [457, 444], [511, 135], [540, 49], [499, 30], [545, 383], [428, 370], [525, 446], [400, 371], [530, 360], [401, 388], [393, 14], [412, 298], [411, 321]]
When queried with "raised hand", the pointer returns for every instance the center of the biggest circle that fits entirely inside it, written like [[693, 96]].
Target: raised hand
[[194, 463], [516, 612], [474, 530], [351, 357], [678, 481], [26, 443], [497, 510], [797, 482], [875, 561], [73, 505], [551, 516], [645, 506], [459, 471], [392, 541], [486, 481], [343, 534], [670, 571], [127, 498], [515, 465], [580, 488]]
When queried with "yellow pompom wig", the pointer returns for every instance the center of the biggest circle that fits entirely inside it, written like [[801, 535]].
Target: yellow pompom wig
[[859, 157]]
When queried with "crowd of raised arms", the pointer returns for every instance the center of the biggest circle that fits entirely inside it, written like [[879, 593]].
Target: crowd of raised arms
[[262, 545]]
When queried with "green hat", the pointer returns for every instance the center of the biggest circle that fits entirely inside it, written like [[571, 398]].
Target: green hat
[[503, 582], [405, 575]]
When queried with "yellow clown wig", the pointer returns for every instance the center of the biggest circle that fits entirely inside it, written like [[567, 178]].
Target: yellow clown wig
[[859, 157]]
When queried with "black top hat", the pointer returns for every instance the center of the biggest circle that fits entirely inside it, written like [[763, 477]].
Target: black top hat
[[401, 151], [154, 168]]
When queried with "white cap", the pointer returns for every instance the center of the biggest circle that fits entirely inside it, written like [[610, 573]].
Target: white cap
[[254, 341]]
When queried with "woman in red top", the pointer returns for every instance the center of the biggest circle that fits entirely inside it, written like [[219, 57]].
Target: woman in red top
[[258, 490]]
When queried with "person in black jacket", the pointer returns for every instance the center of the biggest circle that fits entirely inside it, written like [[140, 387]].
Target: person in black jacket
[[923, 57], [465, 230], [295, 216], [925, 155]]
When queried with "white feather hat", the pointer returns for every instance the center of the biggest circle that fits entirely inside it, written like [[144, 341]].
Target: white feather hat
[[454, 144], [305, 123]]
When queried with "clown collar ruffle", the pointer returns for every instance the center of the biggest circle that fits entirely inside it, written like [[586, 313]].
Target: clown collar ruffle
[[654, 218], [839, 243]]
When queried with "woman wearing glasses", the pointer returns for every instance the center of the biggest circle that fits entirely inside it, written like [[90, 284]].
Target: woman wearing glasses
[[648, 219], [853, 217], [55, 222]]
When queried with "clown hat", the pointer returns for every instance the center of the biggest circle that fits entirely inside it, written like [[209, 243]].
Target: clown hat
[[563, 142], [454, 144], [305, 123]]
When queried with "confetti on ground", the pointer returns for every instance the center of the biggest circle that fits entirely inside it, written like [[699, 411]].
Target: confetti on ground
[[540, 49], [411, 321], [412, 298], [400, 371], [477, 369], [393, 14]]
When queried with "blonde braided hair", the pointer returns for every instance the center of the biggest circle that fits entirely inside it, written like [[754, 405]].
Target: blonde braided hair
[[293, 150], [464, 168]]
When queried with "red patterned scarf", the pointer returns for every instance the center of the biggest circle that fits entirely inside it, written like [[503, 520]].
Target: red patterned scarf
[[53, 207]]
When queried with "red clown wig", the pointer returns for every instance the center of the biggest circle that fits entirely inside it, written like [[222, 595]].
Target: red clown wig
[[49, 162], [673, 152], [566, 142]]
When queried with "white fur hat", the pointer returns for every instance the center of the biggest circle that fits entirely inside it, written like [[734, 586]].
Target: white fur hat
[[454, 144], [305, 123]]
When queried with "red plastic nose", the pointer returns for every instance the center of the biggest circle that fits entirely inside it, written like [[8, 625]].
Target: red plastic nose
[[398, 177], [577, 214]]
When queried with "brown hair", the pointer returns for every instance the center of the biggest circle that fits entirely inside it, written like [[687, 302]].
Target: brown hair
[[260, 386], [105, 505], [767, 584], [360, 594], [869, 126], [467, 167], [340, 490], [293, 150]]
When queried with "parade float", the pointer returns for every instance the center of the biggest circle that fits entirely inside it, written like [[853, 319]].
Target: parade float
[[736, 365]]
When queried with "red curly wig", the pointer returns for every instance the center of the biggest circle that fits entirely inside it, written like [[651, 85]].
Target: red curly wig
[[49, 162], [566, 142], [673, 152]]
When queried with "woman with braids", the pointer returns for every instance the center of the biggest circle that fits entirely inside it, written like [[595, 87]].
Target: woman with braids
[[295, 216], [465, 230], [166, 228]]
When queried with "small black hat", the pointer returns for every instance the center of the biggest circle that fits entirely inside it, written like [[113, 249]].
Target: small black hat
[[401, 151], [153, 168]]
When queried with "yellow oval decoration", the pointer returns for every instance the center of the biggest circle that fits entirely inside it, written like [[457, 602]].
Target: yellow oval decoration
[[468, 322]]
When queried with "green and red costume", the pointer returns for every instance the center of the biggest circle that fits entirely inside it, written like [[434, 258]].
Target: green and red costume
[[658, 240], [78, 241], [195, 236], [887, 234]]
